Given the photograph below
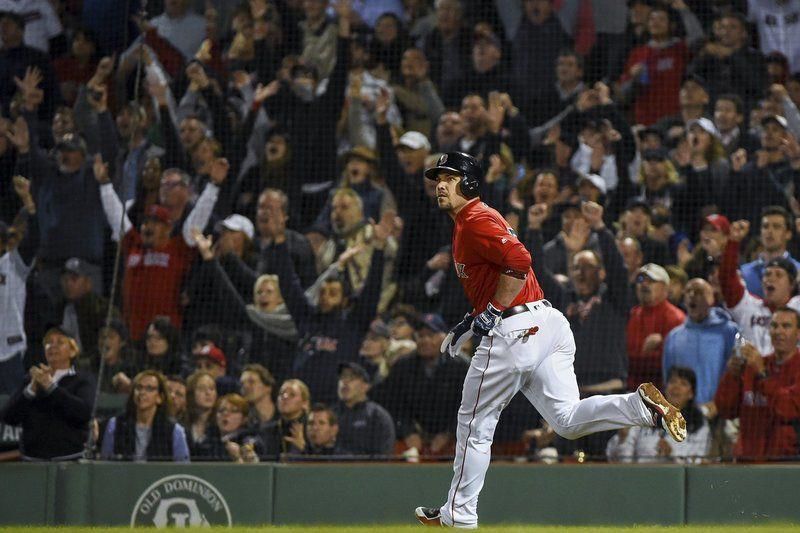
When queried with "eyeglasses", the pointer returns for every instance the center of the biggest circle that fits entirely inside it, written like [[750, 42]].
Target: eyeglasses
[[641, 278], [145, 388]]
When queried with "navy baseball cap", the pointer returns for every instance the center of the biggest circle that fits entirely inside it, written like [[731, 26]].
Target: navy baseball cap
[[432, 321], [357, 369], [785, 264]]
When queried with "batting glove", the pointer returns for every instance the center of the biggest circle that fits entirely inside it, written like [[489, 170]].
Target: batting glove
[[457, 337], [486, 321]]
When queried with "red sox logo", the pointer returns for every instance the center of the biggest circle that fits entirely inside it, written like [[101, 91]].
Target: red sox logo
[[461, 270]]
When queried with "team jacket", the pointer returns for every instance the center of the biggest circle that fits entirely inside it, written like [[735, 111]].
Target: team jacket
[[484, 247], [747, 310], [767, 407]]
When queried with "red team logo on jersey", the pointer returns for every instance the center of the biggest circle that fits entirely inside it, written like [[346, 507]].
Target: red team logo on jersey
[[461, 270]]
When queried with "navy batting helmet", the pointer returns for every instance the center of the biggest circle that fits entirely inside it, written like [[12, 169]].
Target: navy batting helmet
[[462, 164]]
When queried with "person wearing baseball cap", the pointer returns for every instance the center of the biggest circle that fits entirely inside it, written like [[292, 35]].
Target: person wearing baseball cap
[[365, 427], [649, 323], [54, 404], [236, 237], [591, 188], [776, 231], [156, 261], [374, 351], [210, 358]]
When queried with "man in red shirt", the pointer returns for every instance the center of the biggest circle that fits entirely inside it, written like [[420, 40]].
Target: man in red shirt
[[648, 325], [524, 345], [155, 262], [764, 392]]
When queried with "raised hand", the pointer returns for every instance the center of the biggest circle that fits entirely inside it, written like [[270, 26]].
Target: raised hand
[[382, 101], [158, 90], [578, 236], [593, 213], [263, 92], [219, 170], [22, 186], [537, 214], [383, 229], [739, 230], [100, 170], [349, 254], [19, 135], [204, 244]]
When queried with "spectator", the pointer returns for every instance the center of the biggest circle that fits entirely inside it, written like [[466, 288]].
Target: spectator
[[201, 397], [448, 131], [331, 330], [323, 429], [765, 180], [146, 431], [319, 45], [365, 428], [730, 65], [78, 67], [653, 71], [649, 324], [176, 386], [774, 21], [703, 343], [423, 390], [374, 354], [257, 388], [417, 97], [650, 445], [54, 404], [18, 245], [84, 311], [556, 98], [271, 221], [180, 26], [575, 235], [447, 48], [762, 392], [118, 355], [211, 359], [156, 262], [232, 439], [388, 43], [162, 347], [776, 232], [636, 219], [729, 113], [17, 57], [288, 434], [753, 314], [42, 27], [534, 49], [596, 300], [487, 72]]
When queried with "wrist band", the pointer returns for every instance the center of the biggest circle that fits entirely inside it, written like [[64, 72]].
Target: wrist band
[[496, 306]]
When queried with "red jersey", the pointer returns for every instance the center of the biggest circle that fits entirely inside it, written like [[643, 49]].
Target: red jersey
[[658, 97], [484, 247], [766, 408], [153, 279]]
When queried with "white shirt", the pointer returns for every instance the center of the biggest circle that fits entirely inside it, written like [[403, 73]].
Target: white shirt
[[778, 27], [185, 33], [582, 162], [41, 21], [641, 446], [753, 317], [13, 273]]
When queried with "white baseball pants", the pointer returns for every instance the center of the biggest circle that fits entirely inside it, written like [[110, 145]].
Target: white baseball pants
[[540, 365]]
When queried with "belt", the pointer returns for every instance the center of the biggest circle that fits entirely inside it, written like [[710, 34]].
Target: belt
[[517, 309]]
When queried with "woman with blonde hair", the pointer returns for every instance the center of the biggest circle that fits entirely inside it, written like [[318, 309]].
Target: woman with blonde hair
[[288, 434], [145, 431]]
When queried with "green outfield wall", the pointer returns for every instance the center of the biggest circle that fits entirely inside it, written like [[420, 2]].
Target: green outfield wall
[[162, 495]]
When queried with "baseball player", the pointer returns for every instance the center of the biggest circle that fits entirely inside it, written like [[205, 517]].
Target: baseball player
[[525, 344], [779, 281]]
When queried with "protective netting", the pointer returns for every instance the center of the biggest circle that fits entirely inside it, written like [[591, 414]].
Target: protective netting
[[218, 243]]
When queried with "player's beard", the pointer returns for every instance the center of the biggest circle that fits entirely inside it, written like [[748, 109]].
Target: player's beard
[[444, 203]]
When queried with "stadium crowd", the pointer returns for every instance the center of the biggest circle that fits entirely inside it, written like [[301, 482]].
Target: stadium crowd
[[217, 209]]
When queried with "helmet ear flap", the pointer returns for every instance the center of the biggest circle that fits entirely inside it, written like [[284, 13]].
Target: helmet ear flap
[[469, 186]]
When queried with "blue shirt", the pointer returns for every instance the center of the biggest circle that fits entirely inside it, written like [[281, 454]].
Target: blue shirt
[[754, 270]]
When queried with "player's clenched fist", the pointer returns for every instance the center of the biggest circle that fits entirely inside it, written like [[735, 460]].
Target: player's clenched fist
[[457, 337], [486, 321]]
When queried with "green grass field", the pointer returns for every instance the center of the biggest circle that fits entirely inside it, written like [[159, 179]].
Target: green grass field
[[419, 529]]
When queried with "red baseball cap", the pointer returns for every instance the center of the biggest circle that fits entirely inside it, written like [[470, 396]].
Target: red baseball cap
[[210, 351], [158, 212], [719, 222]]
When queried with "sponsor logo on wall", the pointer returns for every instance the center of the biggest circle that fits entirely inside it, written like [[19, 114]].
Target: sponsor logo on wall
[[181, 501]]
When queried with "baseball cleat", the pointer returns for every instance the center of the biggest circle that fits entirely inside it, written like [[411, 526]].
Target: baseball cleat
[[428, 516], [670, 416]]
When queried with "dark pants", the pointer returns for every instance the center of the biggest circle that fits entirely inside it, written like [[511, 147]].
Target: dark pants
[[12, 374]]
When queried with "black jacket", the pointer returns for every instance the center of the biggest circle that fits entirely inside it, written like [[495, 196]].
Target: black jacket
[[54, 425], [366, 429]]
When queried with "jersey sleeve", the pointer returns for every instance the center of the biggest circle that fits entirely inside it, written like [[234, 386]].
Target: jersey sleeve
[[497, 244]]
